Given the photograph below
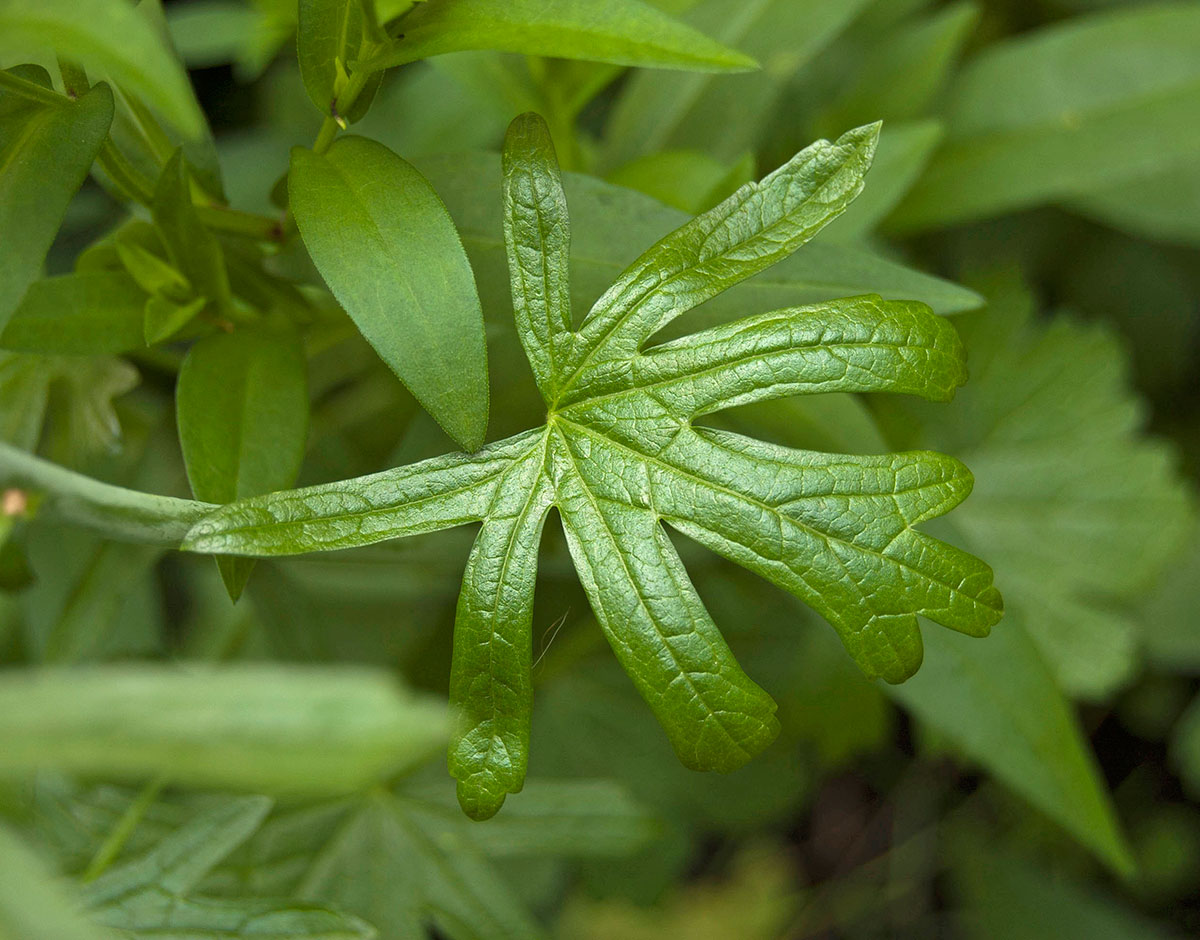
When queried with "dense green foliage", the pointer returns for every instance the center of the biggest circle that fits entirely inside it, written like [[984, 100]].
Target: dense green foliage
[[229, 327]]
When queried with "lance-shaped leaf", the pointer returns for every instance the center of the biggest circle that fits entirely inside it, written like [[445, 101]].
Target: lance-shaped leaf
[[620, 456], [330, 35], [622, 32], [45, 155], [386, 246]]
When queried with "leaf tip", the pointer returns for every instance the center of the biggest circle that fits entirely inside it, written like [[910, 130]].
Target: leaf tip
[[479, 803]]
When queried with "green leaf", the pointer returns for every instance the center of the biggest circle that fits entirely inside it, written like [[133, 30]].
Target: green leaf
[[685, 179], [192, 248], [1164, 206], [331, 37], [276, 728], [89, 313], [1063, 112], [111, 38], [668, 111], [150, 896], [33, 905], [387, 248], [1064, 483], [45, 155], [620, 32], [242, 410], [999, 703], [611, 221], [620, 455]]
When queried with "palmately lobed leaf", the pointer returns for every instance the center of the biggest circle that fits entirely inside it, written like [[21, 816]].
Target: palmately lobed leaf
[[620, 456]]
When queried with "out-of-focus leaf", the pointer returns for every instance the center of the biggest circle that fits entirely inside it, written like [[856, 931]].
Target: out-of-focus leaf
[[149, 897], [1004, 895], [621, 32], [1065, 112], [111, 38], [212, 32], [192, 248], [388, 250], [1064, 483], [254, 727], [1000, 705], [684, 179], [1168, 615], [91, 313], [33, 905], [668, 111], [45, 155], [1163, 206]]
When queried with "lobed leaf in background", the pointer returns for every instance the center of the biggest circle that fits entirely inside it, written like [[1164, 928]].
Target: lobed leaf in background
[[619, 455]]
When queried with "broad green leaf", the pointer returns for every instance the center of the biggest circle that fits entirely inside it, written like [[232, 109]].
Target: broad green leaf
[[1164, 206], [45, 155], [242, 409], [387, 248], [1064, 112], [150, 896], [192, 248], [1064, 483], [668, 111], [272, 728], [620, 455], [620, 32], [33, 905], [331, 37], [89, 313], [111, 38], [207, 33], [1000, 705]]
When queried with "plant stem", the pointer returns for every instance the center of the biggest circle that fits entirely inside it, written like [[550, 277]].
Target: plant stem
[[119, 513], [124, 175], [235, 221], [115, 842]]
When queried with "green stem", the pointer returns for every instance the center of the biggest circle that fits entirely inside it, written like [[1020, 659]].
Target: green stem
[[115, 842], [31, 91], [223, 219], [124, 175], [119, 513], [325, 138]]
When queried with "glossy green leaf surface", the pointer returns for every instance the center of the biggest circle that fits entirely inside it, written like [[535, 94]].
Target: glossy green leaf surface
[[111, 39], [388, 250], [621, 32], [620, 456], [45, 154]]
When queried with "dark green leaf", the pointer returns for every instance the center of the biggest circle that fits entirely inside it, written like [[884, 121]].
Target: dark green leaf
[[388, 250]]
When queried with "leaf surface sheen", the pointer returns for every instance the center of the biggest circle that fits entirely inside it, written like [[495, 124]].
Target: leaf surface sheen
[[620, 455]]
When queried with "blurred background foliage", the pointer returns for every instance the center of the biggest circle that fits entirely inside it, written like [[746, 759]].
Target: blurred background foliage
[[1041, 783]]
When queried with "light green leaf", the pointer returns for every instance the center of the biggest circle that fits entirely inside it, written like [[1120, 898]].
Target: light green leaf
[[658, 112], [45, 155], [109, 37], [33, 905], [242, 409], [1064, 483], [331, 37], [90, 313], [274, 728], [149, 896], [619, 456], [620, 32], [387, 248], [999, 704], [192, 248], [1064, 112]]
